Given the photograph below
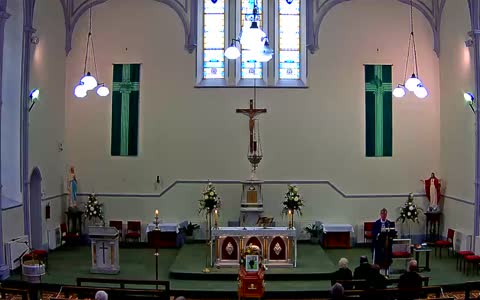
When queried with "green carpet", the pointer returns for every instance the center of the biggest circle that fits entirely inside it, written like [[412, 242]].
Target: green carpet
[[66, 264]]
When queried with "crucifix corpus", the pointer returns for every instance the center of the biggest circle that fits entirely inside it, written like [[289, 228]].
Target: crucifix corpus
[[254, 148]]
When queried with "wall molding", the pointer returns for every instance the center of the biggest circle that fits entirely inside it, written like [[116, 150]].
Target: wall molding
[[464, 201], [265, 182], [52, 197]]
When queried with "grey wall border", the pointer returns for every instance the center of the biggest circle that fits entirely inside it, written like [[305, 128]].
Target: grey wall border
[[266, 182]]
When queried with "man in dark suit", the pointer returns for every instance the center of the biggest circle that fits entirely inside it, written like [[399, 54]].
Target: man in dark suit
[[382, 255], [410, 280], [362, 272]]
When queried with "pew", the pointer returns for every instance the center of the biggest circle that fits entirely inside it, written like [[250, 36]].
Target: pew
[[121, 283], [83, 292], [469, 287], [363, 282], [394, 293], [23, 293]]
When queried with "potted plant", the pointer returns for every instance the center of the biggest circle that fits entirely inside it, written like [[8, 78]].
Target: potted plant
[[189, 230], [313, 230]]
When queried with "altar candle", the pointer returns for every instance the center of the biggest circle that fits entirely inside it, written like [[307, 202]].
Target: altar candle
[[156, 213], [216, 215], [289, 211]]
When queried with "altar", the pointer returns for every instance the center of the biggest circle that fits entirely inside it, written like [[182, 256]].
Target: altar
[[278, 245]]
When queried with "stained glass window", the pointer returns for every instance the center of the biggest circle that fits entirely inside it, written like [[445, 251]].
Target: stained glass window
[[250, 68], [213, 39], [289, 39]]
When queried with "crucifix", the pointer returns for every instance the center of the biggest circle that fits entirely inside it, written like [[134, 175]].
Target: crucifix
[[252, 112], [103, 251]]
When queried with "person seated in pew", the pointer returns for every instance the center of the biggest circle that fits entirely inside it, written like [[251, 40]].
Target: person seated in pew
[[362, 272], [343, 273], [101, 295], [375, 280], [337, 292], [410, 280]]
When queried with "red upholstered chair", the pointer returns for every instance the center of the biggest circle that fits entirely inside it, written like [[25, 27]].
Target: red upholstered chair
[[402, 250], [471, 260], [134, 229], [461, 258], [448, 243], [69, 238], [367, 231], [118, 225]]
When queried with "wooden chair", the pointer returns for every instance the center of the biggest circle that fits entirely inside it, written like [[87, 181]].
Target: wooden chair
[[69, 238], [118, 225], [448, 243], [134, 229], [367, 231]]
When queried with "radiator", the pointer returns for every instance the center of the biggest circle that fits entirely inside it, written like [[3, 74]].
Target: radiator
[[54, 238], [462, 240], [14, 249]]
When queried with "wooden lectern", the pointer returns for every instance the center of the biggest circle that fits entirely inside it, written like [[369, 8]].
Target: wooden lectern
[[382, 253], [251, 284], [104, 245]]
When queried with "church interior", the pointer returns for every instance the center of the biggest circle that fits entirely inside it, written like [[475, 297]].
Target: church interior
[[238, 148]]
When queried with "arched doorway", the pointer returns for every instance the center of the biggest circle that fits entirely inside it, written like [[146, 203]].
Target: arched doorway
[[35, 205]]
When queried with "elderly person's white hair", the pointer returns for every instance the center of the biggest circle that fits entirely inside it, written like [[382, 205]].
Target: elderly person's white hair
[[101, 295], [337, 291], [412, 266], [343, 263], [180, 298]]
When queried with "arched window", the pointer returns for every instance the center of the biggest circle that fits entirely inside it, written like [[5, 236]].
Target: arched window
[[220, 21]]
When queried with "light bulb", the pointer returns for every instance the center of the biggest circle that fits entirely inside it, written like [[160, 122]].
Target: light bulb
[[399, 91], [468, 97], [253, 37], [89, 81], [232, 52], [34, 94], [412, 83], [80, 91], [103, 91], [421, 92]]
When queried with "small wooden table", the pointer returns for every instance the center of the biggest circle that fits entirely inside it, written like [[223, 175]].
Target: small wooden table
[[335, 235], [250, 284], [427, 252]]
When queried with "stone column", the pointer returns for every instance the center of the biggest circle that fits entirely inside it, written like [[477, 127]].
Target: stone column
[[474, 7], [28, 30], [4, 272]]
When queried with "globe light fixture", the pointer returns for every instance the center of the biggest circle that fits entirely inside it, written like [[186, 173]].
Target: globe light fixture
[[399, 91], [412, 84], [421, 92], [34, 94], [468, 97], [232, 52], [103, 91], [253, 38], [88, 81], [80, 91]]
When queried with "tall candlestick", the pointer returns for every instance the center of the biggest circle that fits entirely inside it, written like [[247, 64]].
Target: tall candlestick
[[216, 218], [156, 212], [290, 219], [156, 219]]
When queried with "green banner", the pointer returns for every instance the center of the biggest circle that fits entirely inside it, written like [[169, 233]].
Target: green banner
[[125, 96], [378, 110]]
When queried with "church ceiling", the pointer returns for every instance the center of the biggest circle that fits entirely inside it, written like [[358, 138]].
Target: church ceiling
[[316, 12]]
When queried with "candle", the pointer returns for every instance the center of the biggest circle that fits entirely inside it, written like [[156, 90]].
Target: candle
[[289, 211], [156, 213], [216, 217]]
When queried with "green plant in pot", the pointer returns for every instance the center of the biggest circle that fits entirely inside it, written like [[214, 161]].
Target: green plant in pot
[[189, 230], [313, 230]]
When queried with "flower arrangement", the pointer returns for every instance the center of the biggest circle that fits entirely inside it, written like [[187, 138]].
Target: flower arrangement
[[93, 209], [293, 201], [409, 211], [210, 199], [252, 250]]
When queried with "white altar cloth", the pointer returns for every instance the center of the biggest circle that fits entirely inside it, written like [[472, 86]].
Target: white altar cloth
[[168, 227], [259, 231], [337, 228]]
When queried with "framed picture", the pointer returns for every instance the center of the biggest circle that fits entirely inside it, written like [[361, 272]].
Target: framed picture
[[251, 263]]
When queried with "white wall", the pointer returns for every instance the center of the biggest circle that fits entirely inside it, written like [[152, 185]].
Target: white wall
[[47, 118], [12, 60], [457, 122], [314, 133]]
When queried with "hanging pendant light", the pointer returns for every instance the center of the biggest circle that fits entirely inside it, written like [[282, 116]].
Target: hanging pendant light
[[89, 82], [232, 52], [253, 38], [412, 84]]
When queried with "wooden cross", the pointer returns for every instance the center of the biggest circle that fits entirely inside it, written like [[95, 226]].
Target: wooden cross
[[252, 112]]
